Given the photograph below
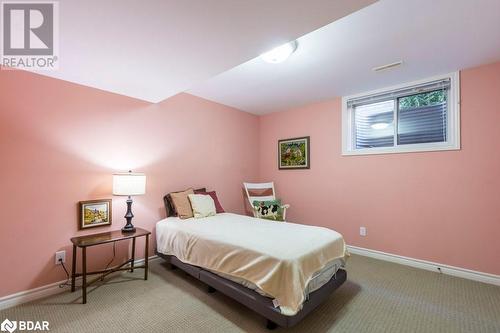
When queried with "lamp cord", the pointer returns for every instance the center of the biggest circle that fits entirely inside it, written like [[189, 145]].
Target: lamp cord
[[67, 283], [112, 259]]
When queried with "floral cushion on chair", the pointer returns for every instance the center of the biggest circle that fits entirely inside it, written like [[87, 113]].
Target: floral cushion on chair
[[270, 210]]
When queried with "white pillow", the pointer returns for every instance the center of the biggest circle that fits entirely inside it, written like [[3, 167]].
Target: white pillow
[[203, 205]]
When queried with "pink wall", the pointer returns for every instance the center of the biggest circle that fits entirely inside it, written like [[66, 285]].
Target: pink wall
[[60, 143], [437, 206]]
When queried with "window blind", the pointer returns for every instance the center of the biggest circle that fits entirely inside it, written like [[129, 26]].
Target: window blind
[[423, 124], [374, 125], [418, 116], [421, 118], [393, 94]]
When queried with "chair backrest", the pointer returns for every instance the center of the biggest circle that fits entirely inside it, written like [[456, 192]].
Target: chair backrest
[[259, 191]]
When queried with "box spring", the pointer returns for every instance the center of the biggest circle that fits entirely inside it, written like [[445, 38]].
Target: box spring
[[256, 302]]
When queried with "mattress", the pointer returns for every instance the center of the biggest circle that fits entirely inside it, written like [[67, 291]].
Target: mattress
[[319, 279], [284, 261]]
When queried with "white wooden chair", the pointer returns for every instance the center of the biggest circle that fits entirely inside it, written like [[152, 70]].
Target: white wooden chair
[[262, 187]]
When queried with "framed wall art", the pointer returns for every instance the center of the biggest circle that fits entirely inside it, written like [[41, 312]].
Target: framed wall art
[[294, 153]]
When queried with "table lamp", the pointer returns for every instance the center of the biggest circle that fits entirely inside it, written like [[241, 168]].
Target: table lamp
[[129, 183]]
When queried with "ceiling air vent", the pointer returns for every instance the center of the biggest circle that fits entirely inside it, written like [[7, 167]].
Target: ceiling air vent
[[388, 66]]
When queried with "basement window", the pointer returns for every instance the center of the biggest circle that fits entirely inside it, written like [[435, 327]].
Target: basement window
[[415, 117]]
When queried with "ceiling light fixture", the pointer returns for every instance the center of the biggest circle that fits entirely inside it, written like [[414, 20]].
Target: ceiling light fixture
[[388, 66], [280, 53]]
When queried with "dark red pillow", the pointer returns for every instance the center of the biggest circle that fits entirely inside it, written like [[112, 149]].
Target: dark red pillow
[[218, 207]]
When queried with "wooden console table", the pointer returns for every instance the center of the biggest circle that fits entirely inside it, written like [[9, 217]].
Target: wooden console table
[[102, 238]]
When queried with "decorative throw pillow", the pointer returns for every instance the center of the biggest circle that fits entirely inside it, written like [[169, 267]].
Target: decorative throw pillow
[[169, 205], [213, 194], [270, 210], [203, 205], [181, 203]]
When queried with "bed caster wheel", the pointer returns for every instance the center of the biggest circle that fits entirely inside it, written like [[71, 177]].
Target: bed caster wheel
[[271, 325], [211, 290]]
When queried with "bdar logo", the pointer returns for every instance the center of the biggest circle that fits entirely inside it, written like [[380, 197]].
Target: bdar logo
[[8, 326]]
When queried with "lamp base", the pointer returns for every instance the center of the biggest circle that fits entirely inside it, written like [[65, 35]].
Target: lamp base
[[128, 228]]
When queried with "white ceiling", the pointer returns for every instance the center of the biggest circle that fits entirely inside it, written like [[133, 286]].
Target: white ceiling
[[431, 36], [154, 49]]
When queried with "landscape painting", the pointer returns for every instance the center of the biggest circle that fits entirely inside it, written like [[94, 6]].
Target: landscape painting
[[94, 213], [294, 153]]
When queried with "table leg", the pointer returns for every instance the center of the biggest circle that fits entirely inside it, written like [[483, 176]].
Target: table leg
[[84, 275], [73, 269], [133, 255], [146, 258]]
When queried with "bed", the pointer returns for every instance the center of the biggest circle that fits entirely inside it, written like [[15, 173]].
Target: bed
[[280, 270]]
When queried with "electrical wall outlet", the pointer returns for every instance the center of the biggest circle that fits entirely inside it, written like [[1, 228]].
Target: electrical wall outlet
[[60, 257], [362, 231]]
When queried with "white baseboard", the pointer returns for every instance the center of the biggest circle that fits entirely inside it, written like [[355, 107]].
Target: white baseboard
[[428, 265], [41, 292], [31, 295]]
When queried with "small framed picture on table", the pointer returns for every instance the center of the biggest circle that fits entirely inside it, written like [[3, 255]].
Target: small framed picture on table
[[94, 213]]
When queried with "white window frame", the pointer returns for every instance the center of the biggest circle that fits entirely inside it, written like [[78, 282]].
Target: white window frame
[[453, 119]]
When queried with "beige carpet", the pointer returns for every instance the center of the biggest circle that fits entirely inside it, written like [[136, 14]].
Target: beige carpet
[[378, 297]]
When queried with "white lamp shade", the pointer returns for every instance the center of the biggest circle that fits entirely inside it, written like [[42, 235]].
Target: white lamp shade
[[129, 183]]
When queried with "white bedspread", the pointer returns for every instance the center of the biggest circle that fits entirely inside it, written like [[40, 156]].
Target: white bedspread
[[279, 258]]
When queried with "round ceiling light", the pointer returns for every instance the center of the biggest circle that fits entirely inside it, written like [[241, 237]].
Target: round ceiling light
[[280, 53]]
